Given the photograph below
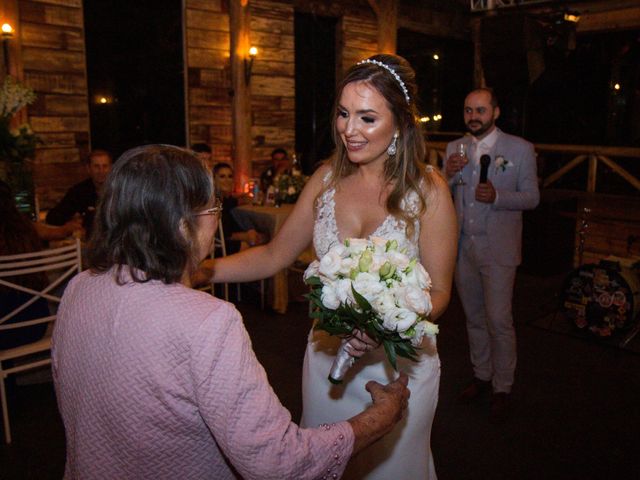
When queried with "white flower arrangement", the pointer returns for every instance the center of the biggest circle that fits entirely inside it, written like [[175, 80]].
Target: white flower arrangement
[[373, 286], [502, 163]]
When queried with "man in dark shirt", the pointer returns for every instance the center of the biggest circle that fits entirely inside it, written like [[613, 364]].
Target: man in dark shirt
[[279, 165], [81, 199]]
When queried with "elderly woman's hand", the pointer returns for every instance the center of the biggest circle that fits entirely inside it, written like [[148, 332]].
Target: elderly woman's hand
[[389, 403]]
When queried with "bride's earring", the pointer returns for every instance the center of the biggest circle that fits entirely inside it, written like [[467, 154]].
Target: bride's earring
[[392, 148]]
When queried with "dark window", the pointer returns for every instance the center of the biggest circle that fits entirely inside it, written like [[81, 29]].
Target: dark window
[[315, 39], [444, 73], [135, 73]]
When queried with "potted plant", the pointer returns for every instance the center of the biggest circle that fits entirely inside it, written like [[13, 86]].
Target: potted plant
[[17, 143]]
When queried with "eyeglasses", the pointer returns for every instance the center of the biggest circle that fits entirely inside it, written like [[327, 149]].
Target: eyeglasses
[[215, 210]]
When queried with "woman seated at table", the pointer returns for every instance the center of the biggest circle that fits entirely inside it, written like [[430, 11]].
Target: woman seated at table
[[158, 380], [18, 235], [233, 233]]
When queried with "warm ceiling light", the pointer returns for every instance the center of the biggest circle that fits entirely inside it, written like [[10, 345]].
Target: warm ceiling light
[[616, 86], [7, 30], [253, 51], [425, 119], [436, 56]]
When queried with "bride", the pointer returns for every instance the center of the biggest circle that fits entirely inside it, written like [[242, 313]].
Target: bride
[[374, 184]]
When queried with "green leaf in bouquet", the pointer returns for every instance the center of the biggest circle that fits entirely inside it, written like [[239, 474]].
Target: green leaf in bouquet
[[363, 303], [314, 281], [406, 350], [390, 350]]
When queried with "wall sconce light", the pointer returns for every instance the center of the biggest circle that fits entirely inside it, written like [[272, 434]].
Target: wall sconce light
[[573, 17], [248, 64], [7, 34]]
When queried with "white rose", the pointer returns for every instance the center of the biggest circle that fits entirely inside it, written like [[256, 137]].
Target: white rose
[[398, 259], [329, 297], [414, 299], [330, 265], [405, 319], [418, 276], [312, 270], [379, 243], [347, 265], [368, 285], [385, 302], [343, 290], [390, 318], [357, 246]]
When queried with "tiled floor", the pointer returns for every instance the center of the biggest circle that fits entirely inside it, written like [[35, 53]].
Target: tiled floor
[[575, 416]]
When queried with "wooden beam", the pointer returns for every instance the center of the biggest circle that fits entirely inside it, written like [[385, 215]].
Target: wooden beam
[[620, 171], [561, 171], [387, 14], [623, 19], [239, 27]]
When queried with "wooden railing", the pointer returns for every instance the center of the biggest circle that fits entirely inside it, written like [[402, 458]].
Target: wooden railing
[[578, 154]]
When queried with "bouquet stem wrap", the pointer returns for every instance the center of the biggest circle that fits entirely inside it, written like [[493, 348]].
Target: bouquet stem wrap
[[342, 363]]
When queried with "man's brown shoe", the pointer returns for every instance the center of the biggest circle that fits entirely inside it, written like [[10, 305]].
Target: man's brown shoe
[[499, 408], [475, 389]]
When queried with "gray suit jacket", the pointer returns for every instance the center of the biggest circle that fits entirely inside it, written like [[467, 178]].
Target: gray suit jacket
[[517, 189]]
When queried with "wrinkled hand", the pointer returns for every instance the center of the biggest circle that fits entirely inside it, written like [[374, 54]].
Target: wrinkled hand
[[360, 343], [455, 163], [389, 403], [485, 192]]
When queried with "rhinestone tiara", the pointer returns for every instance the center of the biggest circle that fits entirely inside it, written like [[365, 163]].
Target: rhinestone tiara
[[392, 72]]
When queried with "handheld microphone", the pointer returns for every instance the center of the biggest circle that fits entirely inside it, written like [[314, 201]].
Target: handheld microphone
[[485, 160]]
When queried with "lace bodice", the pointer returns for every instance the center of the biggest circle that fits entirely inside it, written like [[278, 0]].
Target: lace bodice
[[325, 230]]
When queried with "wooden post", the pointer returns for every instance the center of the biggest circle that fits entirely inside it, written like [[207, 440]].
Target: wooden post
[[387, 14], [593, 170], [478, 71], [241, 104]]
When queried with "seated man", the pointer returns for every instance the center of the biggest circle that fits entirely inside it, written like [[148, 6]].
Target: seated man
[[279, 165], [81, 199]]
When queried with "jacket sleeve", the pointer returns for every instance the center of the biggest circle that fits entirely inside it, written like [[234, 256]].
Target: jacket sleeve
[[249, 423], [526, 195]]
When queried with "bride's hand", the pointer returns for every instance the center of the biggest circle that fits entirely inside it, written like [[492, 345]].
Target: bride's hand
[[360, 343]]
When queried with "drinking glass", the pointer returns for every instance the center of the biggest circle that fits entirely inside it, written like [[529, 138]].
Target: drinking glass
[[461, 151]]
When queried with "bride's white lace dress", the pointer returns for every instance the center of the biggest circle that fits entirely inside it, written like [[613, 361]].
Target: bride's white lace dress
[[405, 453]]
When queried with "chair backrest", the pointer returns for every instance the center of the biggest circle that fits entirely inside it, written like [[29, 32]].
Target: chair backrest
[[58, 265], [219, 243]]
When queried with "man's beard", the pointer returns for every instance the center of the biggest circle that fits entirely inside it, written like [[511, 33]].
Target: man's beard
[[484, 127]]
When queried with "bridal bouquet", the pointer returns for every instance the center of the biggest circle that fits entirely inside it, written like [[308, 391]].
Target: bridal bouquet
[[373, 286]]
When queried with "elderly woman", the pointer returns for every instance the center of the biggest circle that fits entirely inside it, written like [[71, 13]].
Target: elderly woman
[[157, 380]]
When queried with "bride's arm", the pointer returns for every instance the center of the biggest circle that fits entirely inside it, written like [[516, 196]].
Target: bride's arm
[[439, 242], [294, 236]]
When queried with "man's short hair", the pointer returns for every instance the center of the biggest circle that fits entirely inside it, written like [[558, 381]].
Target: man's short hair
[[98, 153], [493, 99], [201, 148], [279, 150]]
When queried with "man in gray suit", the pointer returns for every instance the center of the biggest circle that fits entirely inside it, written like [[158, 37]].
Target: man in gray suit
[[490, 224]]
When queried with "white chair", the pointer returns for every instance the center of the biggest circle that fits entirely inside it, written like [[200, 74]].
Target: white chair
[[218, 244], [58, 265]]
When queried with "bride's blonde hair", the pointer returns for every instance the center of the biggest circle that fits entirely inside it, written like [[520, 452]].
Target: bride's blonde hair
[[406, 168]]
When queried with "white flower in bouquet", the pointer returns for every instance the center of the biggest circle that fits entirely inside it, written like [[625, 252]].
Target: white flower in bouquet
[[371, 285]]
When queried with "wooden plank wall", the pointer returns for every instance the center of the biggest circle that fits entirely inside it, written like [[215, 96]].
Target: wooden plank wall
[[53, 55], [613, 228], [209, 76], [273, 81]]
